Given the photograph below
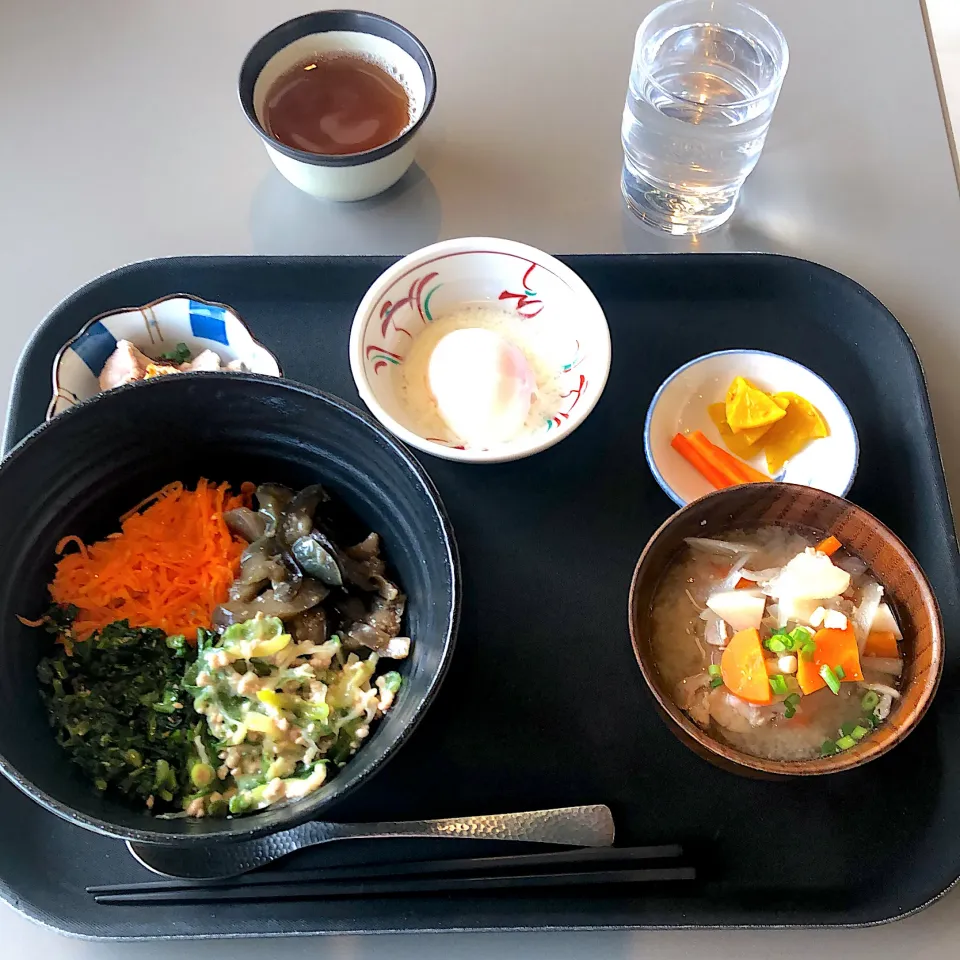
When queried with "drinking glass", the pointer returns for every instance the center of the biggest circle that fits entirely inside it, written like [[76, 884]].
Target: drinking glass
[[705, 78]]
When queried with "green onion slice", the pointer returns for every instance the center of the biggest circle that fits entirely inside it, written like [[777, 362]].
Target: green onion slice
[[845, 743], [714, 670], [830, 679], [870, 701], [778, 684]]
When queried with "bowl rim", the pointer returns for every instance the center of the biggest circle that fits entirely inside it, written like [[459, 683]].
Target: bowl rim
[[675, 718], [58, 358], [744, 351], [303, 810], [516, 449], [327, 21]]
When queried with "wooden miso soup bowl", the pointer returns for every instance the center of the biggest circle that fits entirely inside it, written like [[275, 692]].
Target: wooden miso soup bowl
[[822, 514]]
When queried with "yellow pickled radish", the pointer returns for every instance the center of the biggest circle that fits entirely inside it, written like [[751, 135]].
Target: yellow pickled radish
[[748, 408], [747, 443], [801, 424]]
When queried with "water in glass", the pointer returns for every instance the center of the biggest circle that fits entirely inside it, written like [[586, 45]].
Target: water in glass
[[698, 107]]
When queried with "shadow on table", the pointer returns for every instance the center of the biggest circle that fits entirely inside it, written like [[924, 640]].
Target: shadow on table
[[284, 220]]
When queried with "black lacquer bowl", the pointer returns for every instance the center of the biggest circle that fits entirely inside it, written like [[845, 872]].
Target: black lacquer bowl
[[80, 472]]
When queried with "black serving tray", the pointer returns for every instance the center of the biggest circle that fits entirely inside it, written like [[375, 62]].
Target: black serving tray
[[544, 705]]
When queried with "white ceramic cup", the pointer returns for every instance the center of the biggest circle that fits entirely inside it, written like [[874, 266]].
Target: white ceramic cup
[[354, 176]]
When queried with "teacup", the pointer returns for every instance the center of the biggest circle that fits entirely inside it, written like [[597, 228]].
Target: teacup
[[352, 176]]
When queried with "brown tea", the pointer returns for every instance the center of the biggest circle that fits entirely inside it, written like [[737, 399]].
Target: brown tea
[[336, 104]]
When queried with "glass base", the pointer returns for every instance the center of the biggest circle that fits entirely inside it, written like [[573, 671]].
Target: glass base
[[677, 214]]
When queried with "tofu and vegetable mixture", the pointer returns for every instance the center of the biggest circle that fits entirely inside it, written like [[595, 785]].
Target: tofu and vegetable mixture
[[221, 652], [777, 643]]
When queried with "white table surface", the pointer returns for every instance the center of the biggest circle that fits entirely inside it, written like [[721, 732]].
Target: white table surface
[[122, 140]]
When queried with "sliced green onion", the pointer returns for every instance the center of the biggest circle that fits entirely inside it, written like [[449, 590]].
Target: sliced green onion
[[828, 748], [790, 705], [870, 701], [716, 682], [808, 650], [800, 636], [778, 638], [830, 679], [778, 684], [858, 732], [839, 671], [847, 729], [714, 670], [845, 743]]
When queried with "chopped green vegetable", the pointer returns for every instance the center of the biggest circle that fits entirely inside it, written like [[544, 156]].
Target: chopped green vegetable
[[858, 732], [845, 743], [716, 682], [870, 701], [840, 672], [713, 670], [828, 748], [800, 636], [808, 650], [830, 679], [119, 710], [180, 354], [790, 705], [847, 729], [776, 643], [202, 775], [778, 684]]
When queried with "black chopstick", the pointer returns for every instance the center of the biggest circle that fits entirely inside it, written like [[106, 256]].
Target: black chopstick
[[401, 886], [419, 869]]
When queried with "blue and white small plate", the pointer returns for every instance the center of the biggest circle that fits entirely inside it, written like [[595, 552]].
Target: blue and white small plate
[[680, 406], [154, 328]]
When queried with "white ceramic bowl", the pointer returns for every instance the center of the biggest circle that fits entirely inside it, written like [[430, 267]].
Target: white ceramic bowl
[[354, 176], [680, 406], [561, 320], [154, 329]]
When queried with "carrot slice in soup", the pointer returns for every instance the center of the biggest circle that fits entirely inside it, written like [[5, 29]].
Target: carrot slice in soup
[[835, 648], [742, 668], [881, 643], [829, 546]]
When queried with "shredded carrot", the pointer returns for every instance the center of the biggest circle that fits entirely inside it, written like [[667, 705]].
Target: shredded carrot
[[62, 545], [169, 567], [31, 623]]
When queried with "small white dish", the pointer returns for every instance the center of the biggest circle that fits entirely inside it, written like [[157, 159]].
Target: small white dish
[[680, 406], [154, 328], [562, 323], [354, 176]]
